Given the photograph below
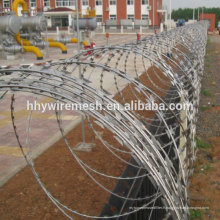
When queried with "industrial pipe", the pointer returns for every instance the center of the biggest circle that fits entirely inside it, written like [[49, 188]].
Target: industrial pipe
[[58, 44], [27, 46], [10, 24], [34, 50], [34, 23], [51, 44], [85, 23], [19, 2], [85, 43], [73, 40], [11, 49], [25, 43], [22, 41], [67, 40]]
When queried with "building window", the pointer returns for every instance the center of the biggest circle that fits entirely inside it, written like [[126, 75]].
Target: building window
[[61, 3], [130, 2], [131, 17], [112, 2], [72, 3], [145, 17], [112, 17], [6, 4], [33, 3], [98, 2], [85, 2], [99, 18], [144, 2], [46, 3], [60, 21]]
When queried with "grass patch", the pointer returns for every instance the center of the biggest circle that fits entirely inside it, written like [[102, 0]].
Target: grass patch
[[204, 108], [197, 168], [195, 214], [205, 92], [208, 58], [202, 145], [208, 40], [207, 167]]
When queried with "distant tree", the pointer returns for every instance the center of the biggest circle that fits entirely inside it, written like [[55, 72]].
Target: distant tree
[[187, 13]]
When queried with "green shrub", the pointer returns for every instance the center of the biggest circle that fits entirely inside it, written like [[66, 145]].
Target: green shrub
[[205, 92], [200, 144], [195, 214]]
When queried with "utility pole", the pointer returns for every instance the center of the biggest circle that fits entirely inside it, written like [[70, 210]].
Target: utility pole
[[202, 13], [78, 50], [193, 12], [81, 146], [78, 34], [153, 13], [170, 15]]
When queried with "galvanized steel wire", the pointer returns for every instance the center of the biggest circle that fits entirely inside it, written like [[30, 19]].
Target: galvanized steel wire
[[172, 64]]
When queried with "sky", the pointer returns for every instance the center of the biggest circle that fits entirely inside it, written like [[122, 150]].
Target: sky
[[191, 3]]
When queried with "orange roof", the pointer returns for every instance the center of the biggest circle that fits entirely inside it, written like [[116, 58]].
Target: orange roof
[[59, 9]]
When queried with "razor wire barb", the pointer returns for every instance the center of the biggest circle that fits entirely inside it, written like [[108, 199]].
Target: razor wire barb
[[165, 68]]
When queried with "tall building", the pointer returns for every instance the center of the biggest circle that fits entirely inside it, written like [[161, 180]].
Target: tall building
[[59, 12]]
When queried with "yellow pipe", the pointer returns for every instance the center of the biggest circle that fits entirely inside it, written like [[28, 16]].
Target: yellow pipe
[[15, 8], [52, 43], [22, 41], [72, 40], [26, 44], [85, 43], [75, 40], [34, 50], [19, 2], [58, 44], [50, 40]]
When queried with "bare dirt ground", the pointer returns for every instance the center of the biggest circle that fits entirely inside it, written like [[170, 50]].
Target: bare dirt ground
[[205, 183]]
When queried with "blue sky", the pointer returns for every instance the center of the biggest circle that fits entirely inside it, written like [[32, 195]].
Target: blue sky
[[192, 3]]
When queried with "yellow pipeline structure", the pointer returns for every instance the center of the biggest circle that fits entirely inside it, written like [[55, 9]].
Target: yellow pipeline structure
[[19, 2], [27, 43], [22, 41], [85, 43], [28, 48], [72, 40], [34, 50], [58, 44]]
